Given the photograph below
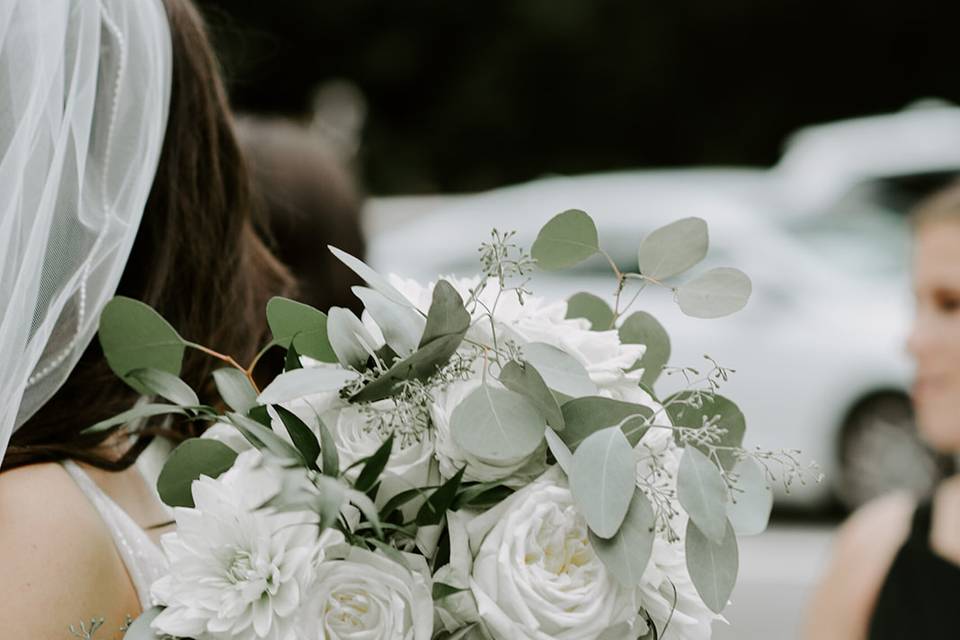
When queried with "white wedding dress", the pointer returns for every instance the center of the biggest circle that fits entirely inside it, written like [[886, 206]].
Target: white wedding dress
[[142, 558]]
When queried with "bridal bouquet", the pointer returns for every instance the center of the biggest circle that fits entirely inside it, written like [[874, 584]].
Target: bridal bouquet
[[465, 461]]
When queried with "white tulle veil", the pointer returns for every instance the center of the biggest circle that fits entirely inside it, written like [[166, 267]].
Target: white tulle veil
[[84, 95]]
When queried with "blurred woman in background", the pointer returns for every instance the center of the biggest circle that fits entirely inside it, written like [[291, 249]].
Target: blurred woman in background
[[896, 570]]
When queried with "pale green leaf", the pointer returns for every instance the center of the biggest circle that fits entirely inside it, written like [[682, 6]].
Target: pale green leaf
[[560, 370], [592, 308], [559, 449], [602, 480], [349, 338], [134, 336], [235, 389], [300, 323], [136, 413], [140, 628], [702, 493], [497, 424], [401, 325], [372, 278], [587, 415], [685, 411], [642, 328], [752, 499], [627, 553], [329, 456], [674, 248], [567, 239], [191, 459], [619, 631], [299, 383], [523, 378], [714, 294], [164, 384], [712, 565], [264, 438]]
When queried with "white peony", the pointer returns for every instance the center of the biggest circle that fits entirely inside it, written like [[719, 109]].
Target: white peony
[[234, 571], [367, 596], [533, 572]]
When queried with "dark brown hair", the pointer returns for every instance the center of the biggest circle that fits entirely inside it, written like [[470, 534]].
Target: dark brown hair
[[197, 260]]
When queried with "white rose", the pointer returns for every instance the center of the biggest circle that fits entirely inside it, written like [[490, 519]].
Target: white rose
[[514, 472], [367, 596], [534, 574]]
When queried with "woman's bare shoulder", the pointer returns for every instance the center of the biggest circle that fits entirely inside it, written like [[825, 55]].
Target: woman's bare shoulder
[[57, 558], [864, 550]]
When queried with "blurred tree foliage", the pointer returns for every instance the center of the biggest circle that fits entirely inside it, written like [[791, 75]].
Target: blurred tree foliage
[[473, 94]]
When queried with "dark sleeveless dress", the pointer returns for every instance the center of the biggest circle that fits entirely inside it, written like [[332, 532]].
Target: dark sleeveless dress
[[921, 595]]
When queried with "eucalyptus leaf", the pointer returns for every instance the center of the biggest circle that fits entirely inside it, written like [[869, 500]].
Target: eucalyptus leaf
[[301, 325], [567, 239], [497, 424], [752, 499], [627, 553], [447, 315], [401, 325], [164, 384], [523, 378], [560, 370], [136, 413], [235, 389], [561, 453], [372, 278], [304, 382], [642, 328], [587, 415], [702, 493], [712, 565], [592, 308], [303, 438], [264, 438], [602, 480], [422, 364], [140, 629], [350, 340], [190, 460], [689, 409], [134, 336], [674, 248], [714, 294]]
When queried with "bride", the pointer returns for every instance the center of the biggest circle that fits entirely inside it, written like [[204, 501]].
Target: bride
[[119, 174]]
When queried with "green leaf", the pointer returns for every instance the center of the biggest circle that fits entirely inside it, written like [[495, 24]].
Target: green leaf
[[436, 506], [618, 631], [714, 294], [350, 340], [627, 553], [683, 412], [235, 389], [560, 370], [591, 307], [674, 248], [749, 510], [333, 495], [421, 365], [134, 336], [523, 378], [712, 565], [561, 453], [401, 325], [447, 316], [137, 412], [602, 480], [585, 416], [371, 277], [642, 328], [329, 456], [190, 460], [702, 493], [293, 322], [291, 360], [304, 382], [140, 629], [366, 506], [303, 438], [374, 466], [481, 495], [496, 424], [403, 498], [442, 590], [263, 437], [567, 239], [164, 384]]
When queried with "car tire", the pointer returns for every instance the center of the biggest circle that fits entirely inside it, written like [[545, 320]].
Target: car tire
[[881, 451]]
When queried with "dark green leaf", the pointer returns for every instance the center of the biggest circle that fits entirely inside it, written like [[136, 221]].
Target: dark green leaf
[[291, 360], [436, 506], [134, 336], [684, 412], [447, 315], [642, 328], [523, 378], [328, 450], [190, 460], [584, 416], [421, 365], [137, 412], [403, 498], [567, 239], [374, 466], [299, 324], [442, 590], [303, 438], [481, 495], [591, 307]]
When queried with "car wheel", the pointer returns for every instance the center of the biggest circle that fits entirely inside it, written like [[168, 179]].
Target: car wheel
[[880, 451]]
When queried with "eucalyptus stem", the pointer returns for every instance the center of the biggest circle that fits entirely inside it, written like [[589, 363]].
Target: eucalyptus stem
[[227, 359]]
